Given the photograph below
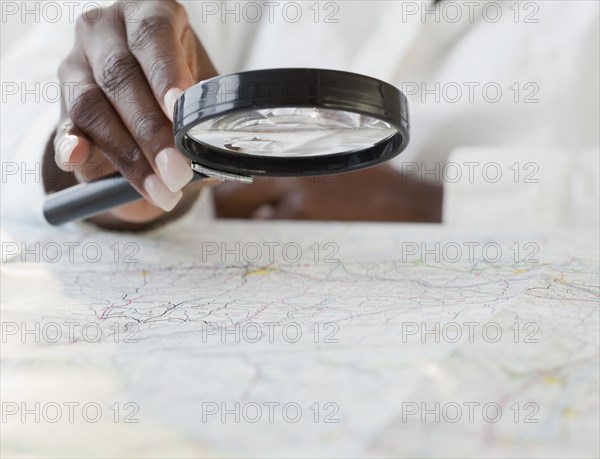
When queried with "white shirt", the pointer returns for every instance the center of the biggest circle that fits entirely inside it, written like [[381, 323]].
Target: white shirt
[[486, 84]]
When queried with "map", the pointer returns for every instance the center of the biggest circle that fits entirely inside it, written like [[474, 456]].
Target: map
[[299, 339]]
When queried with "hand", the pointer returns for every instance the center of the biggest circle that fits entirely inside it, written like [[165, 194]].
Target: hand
[[376, 194], [123, 78]]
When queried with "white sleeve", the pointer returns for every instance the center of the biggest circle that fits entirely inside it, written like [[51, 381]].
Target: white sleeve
[[493, 187], [30, 107]]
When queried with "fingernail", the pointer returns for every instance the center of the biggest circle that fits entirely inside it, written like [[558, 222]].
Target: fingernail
[[160, 194], [171, 97], [174, 169], [65, 148]]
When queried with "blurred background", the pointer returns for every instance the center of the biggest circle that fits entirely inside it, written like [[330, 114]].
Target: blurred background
[[489, 83]]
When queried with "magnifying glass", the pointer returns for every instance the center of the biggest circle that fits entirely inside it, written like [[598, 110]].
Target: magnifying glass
[[275, 122]]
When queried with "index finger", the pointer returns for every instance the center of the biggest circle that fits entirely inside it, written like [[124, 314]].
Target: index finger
[[155, 36]]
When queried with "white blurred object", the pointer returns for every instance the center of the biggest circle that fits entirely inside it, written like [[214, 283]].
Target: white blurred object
[[522, 188], [550, 87]]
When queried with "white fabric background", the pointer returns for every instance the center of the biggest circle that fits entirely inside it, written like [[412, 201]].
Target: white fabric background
[[559, 53]]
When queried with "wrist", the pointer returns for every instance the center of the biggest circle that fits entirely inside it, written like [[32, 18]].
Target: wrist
[[119, 220]]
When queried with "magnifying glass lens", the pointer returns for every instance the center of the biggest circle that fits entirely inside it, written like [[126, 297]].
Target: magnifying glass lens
[[295, 131]]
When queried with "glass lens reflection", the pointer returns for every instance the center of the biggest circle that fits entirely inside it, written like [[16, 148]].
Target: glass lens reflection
[[296, 131]]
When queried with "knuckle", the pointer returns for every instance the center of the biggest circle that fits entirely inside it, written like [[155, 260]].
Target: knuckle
[[160, 70], [130, 156], [147, 126], [147, 30], [298, 206], [85, 110], [88, 18], [131, 163], [118, 68]]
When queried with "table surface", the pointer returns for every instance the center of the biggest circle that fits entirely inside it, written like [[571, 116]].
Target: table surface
[[298, 339]]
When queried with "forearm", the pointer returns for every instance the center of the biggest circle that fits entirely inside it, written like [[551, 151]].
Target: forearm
[[376, 194]]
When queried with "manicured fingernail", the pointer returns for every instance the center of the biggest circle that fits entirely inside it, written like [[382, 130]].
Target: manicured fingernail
[[160, 194], [171, 97], [65, 148], [174, 169]]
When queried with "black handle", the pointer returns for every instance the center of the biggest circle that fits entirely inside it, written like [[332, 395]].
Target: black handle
[[88, 199]]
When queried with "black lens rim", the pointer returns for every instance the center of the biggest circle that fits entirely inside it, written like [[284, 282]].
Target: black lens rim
[[291, 87]]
